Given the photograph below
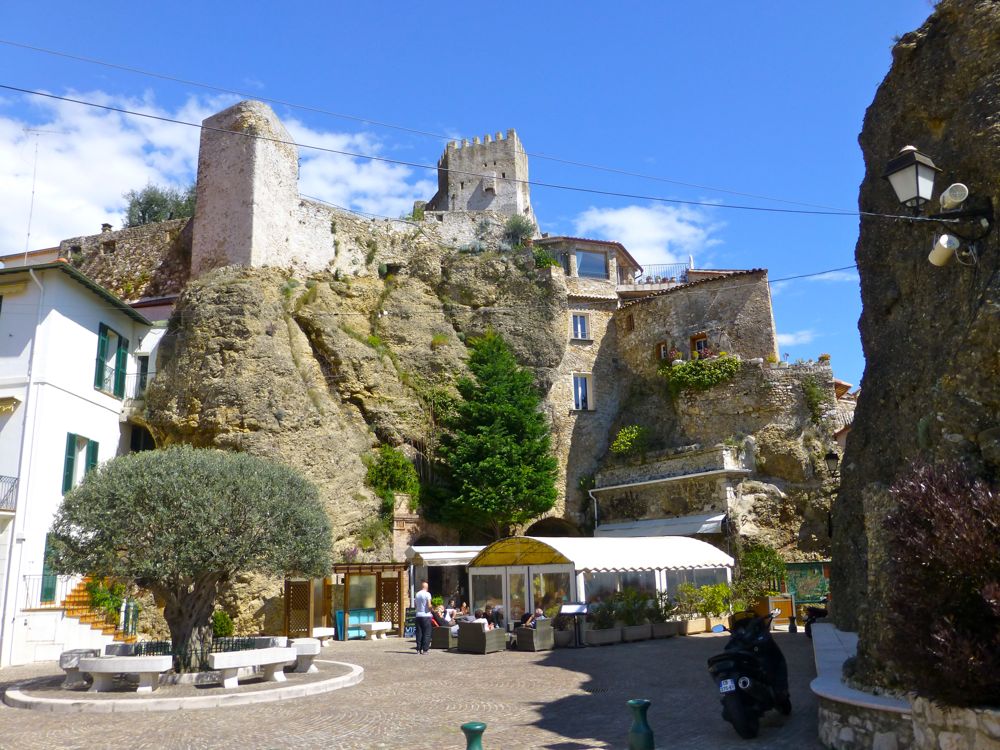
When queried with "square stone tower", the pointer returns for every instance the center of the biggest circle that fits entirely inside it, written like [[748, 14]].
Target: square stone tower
[[247, 190], [487, 175]]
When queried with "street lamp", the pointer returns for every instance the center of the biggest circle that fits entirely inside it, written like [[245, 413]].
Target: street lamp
[[911, 175], [832, 462]]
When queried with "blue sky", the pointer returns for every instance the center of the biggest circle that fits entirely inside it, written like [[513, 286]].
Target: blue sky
[[756, 98]]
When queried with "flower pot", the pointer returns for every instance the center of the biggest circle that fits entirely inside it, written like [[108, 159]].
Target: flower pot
[[603, 637], [562, 638], [665, 629], [713, 621], [637, 632], [692, 626]]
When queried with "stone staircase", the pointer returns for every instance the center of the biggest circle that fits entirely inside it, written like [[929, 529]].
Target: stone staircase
[[77, 605]]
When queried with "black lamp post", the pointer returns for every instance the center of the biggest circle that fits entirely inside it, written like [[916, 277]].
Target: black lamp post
[[832, 460], [911, 175]]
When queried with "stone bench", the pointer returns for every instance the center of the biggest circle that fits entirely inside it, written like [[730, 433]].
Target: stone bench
[[269, 660], [376, 630], [69, 662], [322, 633], [104, 668], [307, 650]]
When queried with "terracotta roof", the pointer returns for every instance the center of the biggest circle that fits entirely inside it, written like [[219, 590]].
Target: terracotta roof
[[618, 245], [725, 275]]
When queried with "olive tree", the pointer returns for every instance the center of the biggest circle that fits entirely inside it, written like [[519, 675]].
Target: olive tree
[[180, 521]]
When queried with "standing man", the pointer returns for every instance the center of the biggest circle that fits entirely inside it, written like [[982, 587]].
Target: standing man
[[423, 618]]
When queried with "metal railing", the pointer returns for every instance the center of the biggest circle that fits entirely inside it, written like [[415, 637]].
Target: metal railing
[[669, 273], [107, 383], [135, 384], [47, 592], [8, 493]]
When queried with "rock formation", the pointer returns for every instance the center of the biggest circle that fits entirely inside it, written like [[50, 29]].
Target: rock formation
[[932, 384]]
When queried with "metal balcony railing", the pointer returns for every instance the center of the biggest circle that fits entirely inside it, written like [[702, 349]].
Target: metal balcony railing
[[8, 493], [47, 591], [135, 384], [669, 273]]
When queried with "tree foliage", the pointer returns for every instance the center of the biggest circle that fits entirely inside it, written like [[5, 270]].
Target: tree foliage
[[499, 450], [943, 541], [761, 570], [518, 230], [700, 374], [390, 472], [154, 203], [180, 521]]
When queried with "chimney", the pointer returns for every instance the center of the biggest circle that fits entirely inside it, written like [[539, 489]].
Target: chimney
[[105, 228]]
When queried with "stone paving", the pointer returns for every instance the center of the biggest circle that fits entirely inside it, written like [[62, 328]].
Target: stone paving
[[564, 700]]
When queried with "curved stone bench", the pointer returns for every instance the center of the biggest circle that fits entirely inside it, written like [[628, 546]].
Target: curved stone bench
[[104, 668], [269, 660], [307, 650]]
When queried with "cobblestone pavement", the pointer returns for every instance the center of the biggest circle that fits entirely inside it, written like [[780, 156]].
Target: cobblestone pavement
[[564, 700]]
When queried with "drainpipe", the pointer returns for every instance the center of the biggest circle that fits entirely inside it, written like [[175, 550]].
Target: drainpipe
[[6, 633]]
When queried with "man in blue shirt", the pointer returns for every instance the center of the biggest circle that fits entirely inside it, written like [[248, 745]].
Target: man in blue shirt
[[422, 618]]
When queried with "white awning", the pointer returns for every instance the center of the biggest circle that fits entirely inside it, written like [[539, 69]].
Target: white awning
[[606, 554], [438, 556], [710, 523]]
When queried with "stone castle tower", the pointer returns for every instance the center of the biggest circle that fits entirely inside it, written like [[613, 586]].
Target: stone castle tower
[[487, 175]]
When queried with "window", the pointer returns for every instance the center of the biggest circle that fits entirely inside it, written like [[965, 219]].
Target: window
[[663, 350], [582, 393], [81, 457], [112, 360], [581, 326], [699, 344], [591, 265], [629, 323]]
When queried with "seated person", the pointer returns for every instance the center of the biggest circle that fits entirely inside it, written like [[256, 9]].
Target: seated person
[[498, 620], [460, 618], [525, 619], [539, 615], [481, 618], [440, 621]]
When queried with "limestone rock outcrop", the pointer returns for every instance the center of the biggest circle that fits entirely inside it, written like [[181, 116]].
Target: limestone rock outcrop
[[932, 384]]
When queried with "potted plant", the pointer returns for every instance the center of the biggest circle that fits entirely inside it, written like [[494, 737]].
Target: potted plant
[[688, 609], [562, 631], [603, 630], [632, 609], [714, 604], [661, 611]]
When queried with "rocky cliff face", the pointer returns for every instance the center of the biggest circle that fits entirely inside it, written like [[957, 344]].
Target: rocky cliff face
[[932, 384]]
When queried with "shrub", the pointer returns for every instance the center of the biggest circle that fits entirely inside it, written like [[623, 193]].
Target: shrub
[[688, 599], [816, 398], [699, 374], [543, 258], [518, 230], [222, 624], [630, 440], [106, 598], [439, 339], [715, 599], [761, 570], [824, 357], [632, 606], [390, 472], [602, 615], [943, 540], [662, 608]]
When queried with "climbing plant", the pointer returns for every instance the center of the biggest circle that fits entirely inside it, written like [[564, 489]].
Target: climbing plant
[[700, 374]]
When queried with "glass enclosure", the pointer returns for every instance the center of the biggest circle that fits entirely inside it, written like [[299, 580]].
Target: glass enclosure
[[599, 586], [550, 590], [487, 589], [362, 592], [698, 577], [517, 594]]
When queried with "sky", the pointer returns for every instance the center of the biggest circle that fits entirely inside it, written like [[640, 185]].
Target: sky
[[682, 109]]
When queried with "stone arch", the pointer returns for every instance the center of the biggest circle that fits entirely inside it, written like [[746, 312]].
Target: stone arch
[[552, 526]]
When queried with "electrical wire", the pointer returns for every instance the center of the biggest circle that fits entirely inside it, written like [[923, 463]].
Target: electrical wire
[[382, 124], [417, 165]]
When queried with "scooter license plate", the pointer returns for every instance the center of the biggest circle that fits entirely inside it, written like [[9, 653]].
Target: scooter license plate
[[727, 686]]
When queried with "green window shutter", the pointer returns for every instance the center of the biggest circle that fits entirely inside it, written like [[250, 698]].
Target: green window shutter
[[121, 365], [70, 463], [102, 355], [92, 447]]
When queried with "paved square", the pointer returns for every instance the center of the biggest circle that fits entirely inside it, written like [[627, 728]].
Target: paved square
[[563, 699]]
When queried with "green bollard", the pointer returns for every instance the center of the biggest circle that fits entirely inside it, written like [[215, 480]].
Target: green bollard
[[640, 736], [474, 735]]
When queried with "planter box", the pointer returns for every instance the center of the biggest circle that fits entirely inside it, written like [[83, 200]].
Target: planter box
[[603, 637], [563, 638], [637, 632], [665, 629], [690, 627], [711, 622]]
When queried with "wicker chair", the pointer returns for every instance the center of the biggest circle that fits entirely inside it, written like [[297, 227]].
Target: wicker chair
[[538, 638], [441, 637], [474, 640]]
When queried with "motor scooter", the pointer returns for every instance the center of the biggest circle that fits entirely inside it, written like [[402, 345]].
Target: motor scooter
[[751, 672]]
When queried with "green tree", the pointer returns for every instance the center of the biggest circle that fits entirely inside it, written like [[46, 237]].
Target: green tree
[[761, 570], [498, 453], [155, 203], [518, 230], [180, 521]]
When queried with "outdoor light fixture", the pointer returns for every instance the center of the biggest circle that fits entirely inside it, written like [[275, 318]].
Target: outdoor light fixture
[[911, 175], [832, 462]]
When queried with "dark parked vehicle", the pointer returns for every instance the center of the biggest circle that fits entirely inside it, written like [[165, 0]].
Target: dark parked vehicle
[[751, 673]]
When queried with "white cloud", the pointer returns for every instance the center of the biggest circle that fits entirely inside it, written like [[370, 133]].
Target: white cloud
[[88, 157], [652, 234], [796, 338]]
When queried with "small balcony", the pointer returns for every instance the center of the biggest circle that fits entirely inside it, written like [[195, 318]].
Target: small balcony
[[135, 385], [8, 494], [654, 278], [47, 591]]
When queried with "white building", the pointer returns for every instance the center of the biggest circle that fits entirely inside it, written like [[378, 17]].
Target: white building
[[71, 357]]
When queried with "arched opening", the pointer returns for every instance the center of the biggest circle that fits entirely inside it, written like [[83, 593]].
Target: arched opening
[[552, 527]]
